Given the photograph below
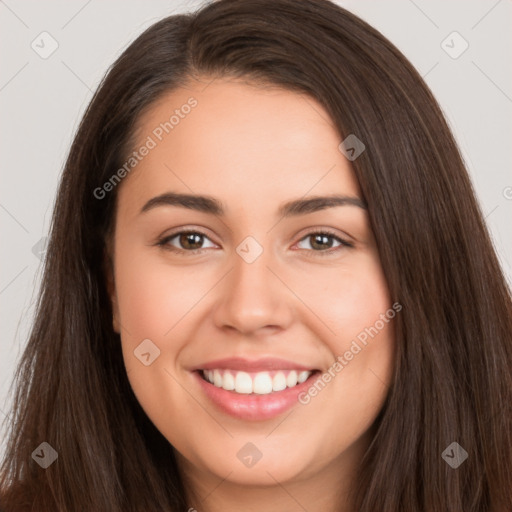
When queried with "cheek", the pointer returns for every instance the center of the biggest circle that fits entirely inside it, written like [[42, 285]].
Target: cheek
[[153, 296], [353, 313], [345, 299]]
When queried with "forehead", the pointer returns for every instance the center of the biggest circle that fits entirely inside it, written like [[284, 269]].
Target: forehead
[[239, 142]]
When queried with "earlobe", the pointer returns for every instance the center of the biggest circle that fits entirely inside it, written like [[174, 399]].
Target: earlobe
[[115, 324], [111, 290], [115, 314], [114, 304]]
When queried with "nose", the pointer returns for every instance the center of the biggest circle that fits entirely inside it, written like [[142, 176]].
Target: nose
[[253, 297]]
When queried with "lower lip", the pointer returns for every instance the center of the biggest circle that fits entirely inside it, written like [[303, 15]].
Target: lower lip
[[253, 406]]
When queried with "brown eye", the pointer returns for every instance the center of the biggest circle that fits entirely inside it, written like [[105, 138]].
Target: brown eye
[[323, 241], [188, 241], [320, 241]]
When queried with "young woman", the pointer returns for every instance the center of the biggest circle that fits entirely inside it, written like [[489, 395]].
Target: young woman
[[268, 286]]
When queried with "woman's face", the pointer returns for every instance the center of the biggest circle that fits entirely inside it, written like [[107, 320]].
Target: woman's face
[[267, 297]]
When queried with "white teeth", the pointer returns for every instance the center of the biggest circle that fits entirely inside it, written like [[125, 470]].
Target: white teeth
[[217, 378], [303, 376], [243, 383], [291, 380], [260, 383], [279, 382], [228, 382]]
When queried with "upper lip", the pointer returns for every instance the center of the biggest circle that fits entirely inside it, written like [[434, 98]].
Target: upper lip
[[256, 365]]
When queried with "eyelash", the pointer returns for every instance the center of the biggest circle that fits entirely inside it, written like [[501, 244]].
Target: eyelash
[[163, 242]]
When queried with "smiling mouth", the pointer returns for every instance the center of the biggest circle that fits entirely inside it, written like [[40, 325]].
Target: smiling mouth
[[256, 383]]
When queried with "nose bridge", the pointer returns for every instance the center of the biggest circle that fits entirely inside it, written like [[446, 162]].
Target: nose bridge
[[250, 273], [252, 296]]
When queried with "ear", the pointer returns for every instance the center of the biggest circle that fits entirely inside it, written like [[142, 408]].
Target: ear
[[108, 266]]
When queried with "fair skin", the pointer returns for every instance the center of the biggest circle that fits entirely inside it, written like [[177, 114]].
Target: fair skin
[[252, 149]]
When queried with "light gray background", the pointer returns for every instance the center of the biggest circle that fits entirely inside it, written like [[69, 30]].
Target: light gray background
[[42, 100]]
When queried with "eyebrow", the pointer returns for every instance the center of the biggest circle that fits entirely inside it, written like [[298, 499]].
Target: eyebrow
[[208, 204]]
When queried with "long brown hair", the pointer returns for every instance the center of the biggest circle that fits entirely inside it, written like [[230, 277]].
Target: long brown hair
[[452, 380]]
